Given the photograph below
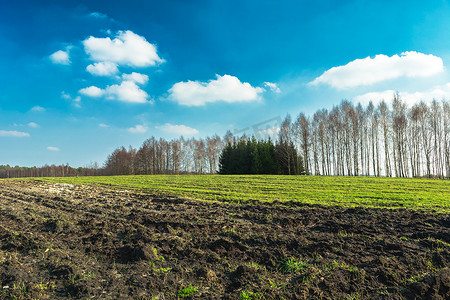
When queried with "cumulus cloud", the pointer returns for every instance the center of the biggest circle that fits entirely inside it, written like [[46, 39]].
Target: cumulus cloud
[[272, 131], [60, 57], [33, 125], [38, 108], [92, 91], [50, 148], [127, 49], [103, 125], [102, 69], [127, 91], [438, 92], [138, 129], [14, 133], [177, 129], [136, 77], [273, 87], [225, 88], [369, 70], [375, 97]]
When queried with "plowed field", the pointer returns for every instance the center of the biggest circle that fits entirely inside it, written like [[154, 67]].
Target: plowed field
[[62, 240]]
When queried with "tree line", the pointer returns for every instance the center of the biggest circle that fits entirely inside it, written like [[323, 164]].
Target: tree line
[[383, 140], [391, 140], [250, 156], [7, 171], [159, 156]]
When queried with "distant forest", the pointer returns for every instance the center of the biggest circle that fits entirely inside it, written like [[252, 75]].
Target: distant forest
[[260, 157], [350, 140]]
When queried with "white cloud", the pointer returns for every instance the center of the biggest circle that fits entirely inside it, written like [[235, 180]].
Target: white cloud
[[33, 125], [178, 129], [375, 97], [138, 129], [38, 108], [437, 92], [60, 57], [98, 15], [92, 91], [127, 48], [103, 125], [368, 71], [76, 100], [272, 131], [102, 68], [136, 77], [13, 133], [127, 91], [225, 88], [53, 148], [273, 87], [65, 96]]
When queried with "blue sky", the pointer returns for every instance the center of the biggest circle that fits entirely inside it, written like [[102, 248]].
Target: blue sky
[[80, 78]]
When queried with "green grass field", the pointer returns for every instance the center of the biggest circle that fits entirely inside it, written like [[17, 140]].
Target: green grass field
[[422, 194]]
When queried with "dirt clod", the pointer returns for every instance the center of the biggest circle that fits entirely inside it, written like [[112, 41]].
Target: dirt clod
[[433, 286]]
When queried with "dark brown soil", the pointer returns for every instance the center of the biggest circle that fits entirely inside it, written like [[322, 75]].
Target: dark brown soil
[[64, 241]]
